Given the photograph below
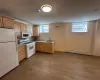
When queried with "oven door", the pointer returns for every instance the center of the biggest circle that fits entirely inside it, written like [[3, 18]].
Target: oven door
[[30, 49]]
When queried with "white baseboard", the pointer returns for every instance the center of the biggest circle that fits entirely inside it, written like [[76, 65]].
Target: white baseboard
[[80, 52]]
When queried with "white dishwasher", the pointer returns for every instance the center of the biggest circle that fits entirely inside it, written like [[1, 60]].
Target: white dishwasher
[[30, 48]]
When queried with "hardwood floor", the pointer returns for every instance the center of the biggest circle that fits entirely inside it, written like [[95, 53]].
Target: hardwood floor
[[60, 66]]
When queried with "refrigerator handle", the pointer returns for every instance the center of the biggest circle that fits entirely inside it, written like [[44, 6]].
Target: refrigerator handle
[[16, 41], [16, 48]]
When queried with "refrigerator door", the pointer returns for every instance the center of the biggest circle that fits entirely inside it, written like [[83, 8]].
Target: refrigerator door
[[8, 57], [2, 57], [10, 34], [7, 35], [3, 37]]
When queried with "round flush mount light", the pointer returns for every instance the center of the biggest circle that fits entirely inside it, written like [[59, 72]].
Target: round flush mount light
[[46, 8]]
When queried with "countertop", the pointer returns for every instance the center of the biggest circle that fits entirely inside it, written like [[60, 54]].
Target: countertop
[[20, 45], [35, 41], [46, 41]]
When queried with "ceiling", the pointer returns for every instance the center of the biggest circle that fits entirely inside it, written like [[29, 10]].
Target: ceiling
[[63, 10]]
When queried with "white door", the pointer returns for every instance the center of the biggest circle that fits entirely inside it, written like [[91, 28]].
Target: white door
[[8, 57]]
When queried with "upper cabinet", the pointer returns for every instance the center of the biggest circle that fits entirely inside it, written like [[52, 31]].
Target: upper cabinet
[[36, 30], [18, 26], [8, 22], [1, 22], [29, 28], [17, 29], [23, 27]]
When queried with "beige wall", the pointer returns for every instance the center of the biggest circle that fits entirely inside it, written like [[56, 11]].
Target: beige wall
[[80, 42], [65, 40], [96, 48], [57, 33]]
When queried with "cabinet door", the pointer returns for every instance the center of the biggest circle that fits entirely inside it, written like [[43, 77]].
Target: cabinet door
[[17, 29], [1, 22], [36, 30], [29, 29], [23, 27], [49, 47], [39, 46], [21, 52], [8, 23]]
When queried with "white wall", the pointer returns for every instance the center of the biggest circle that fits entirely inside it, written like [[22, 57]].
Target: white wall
[[65, 40]]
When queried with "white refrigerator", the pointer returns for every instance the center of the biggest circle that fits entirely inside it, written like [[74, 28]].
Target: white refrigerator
[[8, 51]]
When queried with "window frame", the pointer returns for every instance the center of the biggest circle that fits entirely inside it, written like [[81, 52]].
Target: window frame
[[44, 25], [80, 28]]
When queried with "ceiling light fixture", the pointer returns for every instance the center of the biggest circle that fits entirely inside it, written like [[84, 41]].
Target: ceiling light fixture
[[46, 8]]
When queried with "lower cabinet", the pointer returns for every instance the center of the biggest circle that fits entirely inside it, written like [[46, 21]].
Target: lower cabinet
[[21, 52], [45, 47]]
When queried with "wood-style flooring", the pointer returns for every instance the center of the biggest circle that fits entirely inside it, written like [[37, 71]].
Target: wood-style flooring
[[59, 66]]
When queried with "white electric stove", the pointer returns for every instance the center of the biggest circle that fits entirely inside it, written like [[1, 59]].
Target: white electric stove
[[30, 49]]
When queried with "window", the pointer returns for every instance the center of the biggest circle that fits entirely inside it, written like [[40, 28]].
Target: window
[[80, 27], [44, 28]]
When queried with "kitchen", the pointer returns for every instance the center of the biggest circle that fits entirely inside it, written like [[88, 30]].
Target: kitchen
[[16, 43], [49, 40]]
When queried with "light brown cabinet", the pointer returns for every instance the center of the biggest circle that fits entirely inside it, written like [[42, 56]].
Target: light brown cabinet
[[40, 46], [23, 27], [29, 28], [36, 30], [17, 29], [45, 47], [8, 23], [1, 22], [49, 47], [21, 52]]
